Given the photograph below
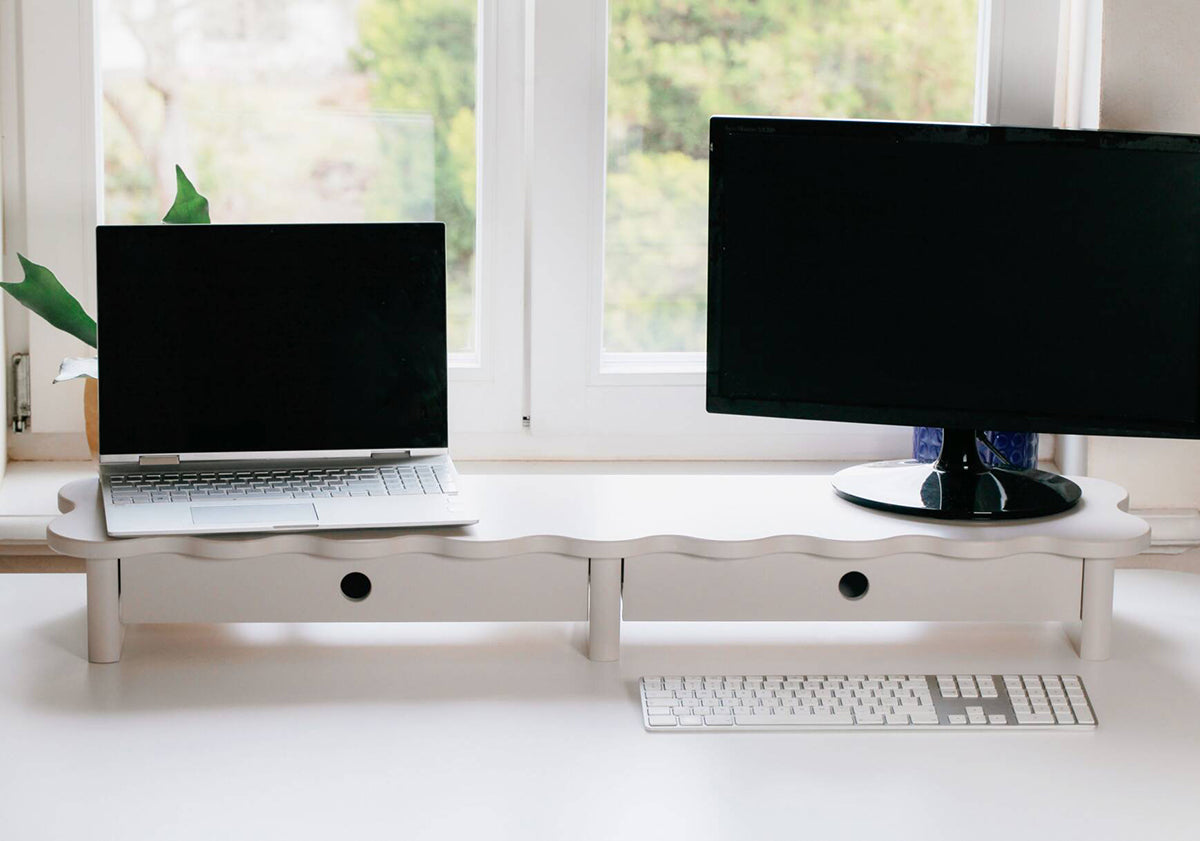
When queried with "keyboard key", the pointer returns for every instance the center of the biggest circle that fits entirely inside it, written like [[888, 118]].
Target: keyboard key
[[661, 720], [1034, 718]]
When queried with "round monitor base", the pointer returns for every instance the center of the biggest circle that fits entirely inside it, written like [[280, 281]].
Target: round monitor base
[[925, 490]]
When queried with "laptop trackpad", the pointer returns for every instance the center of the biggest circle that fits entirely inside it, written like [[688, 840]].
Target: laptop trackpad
[[232, 515]]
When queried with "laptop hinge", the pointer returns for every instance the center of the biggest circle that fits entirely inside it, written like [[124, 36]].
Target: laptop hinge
[[153, 461], [393, 454]]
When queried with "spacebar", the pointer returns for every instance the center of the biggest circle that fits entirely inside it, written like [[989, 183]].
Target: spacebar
[[239, 497], [835, 720]]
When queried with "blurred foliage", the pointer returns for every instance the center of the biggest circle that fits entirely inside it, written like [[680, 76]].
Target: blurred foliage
[[674, 64]]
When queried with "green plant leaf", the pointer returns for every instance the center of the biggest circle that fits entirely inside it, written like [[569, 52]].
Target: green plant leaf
[[41, 292], [190, 208]]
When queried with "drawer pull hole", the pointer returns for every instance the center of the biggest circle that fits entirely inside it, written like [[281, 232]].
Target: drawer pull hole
[[356, 586], [853, 585]]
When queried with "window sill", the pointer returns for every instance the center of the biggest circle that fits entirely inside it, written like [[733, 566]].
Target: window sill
[[29, 498]]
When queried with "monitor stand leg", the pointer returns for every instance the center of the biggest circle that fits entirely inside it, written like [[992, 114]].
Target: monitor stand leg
[[1095, 637], [105, 633], [604, 609]]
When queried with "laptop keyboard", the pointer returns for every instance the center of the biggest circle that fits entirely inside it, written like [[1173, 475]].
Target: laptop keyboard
[[302, 483]]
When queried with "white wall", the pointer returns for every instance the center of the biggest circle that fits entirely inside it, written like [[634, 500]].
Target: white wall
[[1150, 80]]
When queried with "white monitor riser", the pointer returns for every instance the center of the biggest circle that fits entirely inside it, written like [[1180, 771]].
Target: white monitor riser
[[606, 549]]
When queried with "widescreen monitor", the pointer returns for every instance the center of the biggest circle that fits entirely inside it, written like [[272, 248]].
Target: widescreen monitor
[[958, 276]]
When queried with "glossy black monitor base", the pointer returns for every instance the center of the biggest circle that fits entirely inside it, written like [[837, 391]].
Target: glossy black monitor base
[[958, 486]]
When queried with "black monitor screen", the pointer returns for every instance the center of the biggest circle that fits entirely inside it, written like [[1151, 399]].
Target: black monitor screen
[[237, 338], [959, 276]]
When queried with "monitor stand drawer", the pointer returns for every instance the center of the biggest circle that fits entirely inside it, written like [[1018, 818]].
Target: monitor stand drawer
[[1019, 588], [301, 588]]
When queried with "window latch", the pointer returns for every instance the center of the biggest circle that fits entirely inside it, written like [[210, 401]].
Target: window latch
[[19, 398]]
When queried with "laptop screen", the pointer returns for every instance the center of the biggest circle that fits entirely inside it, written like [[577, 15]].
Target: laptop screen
[[261, 338]]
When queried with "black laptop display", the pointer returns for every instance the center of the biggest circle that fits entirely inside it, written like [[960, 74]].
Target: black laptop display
[[250, 338]]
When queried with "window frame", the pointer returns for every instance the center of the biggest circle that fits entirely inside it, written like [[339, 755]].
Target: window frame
[[540, 386]]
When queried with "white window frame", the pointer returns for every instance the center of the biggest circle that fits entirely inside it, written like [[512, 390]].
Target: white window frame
[[541, 147]]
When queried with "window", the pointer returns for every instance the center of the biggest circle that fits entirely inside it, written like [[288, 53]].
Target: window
[[320, 110]]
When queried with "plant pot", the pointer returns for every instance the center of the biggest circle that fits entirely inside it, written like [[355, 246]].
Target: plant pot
[[91, 414], [1020, 448]]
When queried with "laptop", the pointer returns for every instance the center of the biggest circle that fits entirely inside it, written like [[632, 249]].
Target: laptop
[[266, 378]]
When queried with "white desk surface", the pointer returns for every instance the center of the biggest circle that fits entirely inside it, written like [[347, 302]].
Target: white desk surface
[[623, 516], [506, 731]]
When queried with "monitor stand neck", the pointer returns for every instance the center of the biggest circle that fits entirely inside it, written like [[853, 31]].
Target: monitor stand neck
[[954, 484], [959, 455]]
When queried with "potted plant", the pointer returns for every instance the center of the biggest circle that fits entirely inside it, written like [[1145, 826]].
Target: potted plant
[[40, 292]]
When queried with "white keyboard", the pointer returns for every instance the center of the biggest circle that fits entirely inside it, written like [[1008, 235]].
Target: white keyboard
[[853, 702]]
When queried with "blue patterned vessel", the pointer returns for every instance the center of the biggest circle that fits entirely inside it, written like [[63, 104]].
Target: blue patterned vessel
[[1021, 448]]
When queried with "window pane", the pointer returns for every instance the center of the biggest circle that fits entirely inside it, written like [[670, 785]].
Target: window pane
[[673, 65], [297, 110]]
